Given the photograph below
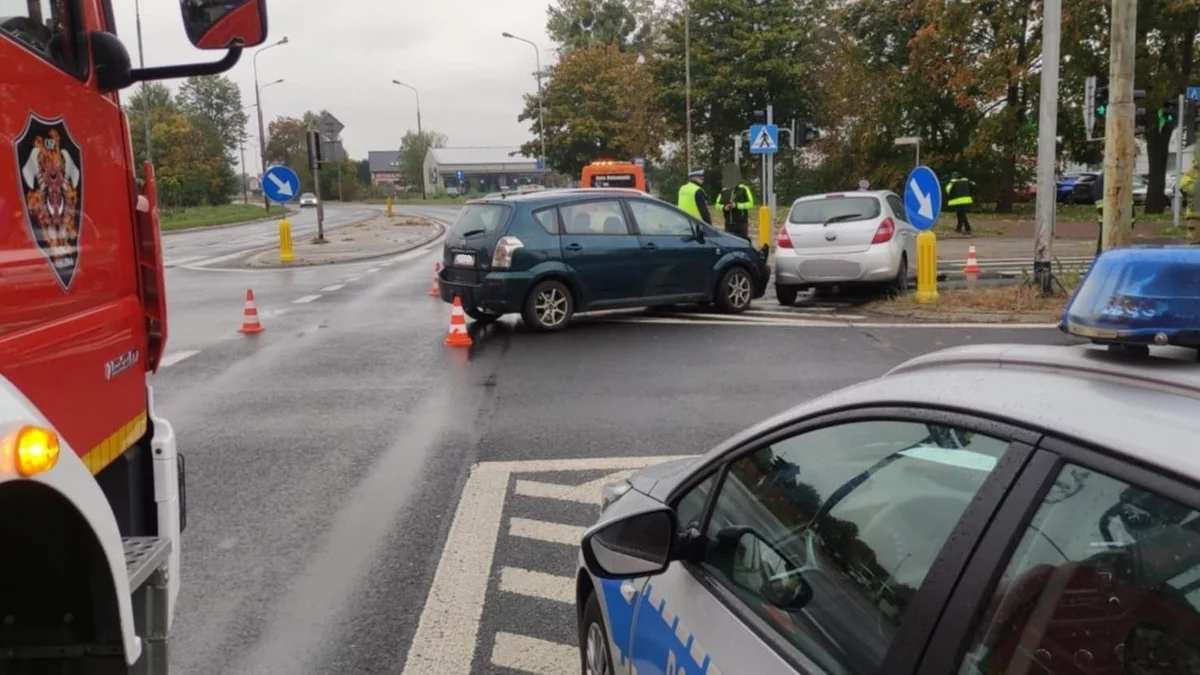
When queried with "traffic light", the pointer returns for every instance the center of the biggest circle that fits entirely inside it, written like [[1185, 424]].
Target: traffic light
[[1165, 117], [1139, 113], [808, 134], [1099, 100]]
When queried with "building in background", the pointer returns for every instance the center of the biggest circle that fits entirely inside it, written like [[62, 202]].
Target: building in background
[[387, 175], [463, 170]]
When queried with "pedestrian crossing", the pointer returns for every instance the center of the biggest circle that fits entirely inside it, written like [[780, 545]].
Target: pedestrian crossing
[[763, 312], [503, 596]]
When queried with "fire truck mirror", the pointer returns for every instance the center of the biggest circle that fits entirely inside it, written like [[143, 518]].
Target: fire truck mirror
[[221, 24]]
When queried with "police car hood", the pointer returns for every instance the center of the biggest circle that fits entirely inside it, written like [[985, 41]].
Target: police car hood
[[658, 480]]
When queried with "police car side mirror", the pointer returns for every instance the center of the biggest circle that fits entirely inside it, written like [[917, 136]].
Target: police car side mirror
[[636, 540]]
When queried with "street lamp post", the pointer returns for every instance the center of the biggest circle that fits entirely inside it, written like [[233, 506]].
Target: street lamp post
[[687, 77], [262, 144], [420, 133], [137, 9], [541, 110]]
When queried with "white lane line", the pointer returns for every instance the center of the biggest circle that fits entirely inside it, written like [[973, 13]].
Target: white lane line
[[271, 313], [335, 287], [579, 464], [943, 326], [176, 357], [538, 584], [588, 493], [531, 655], [373, 270], [444, 643], [305, 299], [177, 262], [540, 530], [351, 280]]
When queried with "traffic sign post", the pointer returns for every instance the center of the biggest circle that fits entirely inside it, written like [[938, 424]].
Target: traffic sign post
[[764, 139], [280, 184], [923, 204]]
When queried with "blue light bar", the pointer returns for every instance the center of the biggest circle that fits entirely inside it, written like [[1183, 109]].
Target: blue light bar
[[1139, 296]]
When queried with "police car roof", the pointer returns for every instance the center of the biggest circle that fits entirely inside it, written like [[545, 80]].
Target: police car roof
[[1145, 408]]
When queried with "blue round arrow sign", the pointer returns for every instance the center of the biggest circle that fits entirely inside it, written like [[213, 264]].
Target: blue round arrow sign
[[922, 198], [280, 184]]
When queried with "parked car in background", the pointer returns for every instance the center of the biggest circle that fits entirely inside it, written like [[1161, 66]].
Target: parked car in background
[[308, 199], [1025, 193], [839, 239], [1076, 188]]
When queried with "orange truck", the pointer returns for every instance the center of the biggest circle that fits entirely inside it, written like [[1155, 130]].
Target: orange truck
[[612, 174], [92, 497]]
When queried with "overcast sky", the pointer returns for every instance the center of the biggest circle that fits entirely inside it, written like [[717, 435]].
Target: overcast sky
[[343, 56]]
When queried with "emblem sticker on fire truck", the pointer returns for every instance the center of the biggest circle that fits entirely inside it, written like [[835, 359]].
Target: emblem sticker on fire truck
[[50, 166]]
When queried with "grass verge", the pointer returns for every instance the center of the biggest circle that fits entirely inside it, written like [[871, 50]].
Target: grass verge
[[1018, 303], [208, 216]]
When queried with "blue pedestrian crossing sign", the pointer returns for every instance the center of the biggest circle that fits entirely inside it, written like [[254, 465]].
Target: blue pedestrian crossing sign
[[458, 175], [280, 184], [1193, 93], [764, 139], [922, 198]]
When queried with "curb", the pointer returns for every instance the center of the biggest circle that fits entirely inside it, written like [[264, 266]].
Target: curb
[[240, 223], [438, 233], [260, 249], [998, 318]]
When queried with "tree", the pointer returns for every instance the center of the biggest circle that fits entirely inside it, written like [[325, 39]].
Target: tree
[[578, 24], [217, 99], [414, 147], [745, 54], [599, 104]]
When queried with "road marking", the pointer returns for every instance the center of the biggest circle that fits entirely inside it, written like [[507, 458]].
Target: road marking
[[449, 627], [531, 655], [588, 493], [335, 287], [538, 584], [351, 280], [831, 322], [942, 326], [444, 643], [372, 270], [305, 299], [177, 262], [540, 530], [176, 357]]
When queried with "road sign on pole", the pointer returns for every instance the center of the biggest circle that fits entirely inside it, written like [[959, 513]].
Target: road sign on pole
[[1193, 93], [922, 198], [458, 175], [280, 184], [764, 139]]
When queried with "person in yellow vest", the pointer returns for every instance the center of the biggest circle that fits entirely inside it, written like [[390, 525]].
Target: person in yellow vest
[[737, 203], [692, 199], [959, 197]]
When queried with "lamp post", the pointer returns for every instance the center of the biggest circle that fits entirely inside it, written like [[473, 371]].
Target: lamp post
[[541, 111], [687, 76], [137, 9], [262, 144], [420, 133]]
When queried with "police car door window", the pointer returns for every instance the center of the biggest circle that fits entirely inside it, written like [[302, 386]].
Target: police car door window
[[45, 26], [1106, 579], [828, 535]]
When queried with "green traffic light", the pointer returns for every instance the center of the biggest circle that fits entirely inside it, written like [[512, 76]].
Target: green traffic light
[[1101, 109]]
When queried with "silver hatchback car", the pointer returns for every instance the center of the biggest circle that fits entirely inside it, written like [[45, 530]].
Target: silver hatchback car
[[844, 238]]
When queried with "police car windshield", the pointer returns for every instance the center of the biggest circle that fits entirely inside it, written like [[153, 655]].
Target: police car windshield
[[834, 208]]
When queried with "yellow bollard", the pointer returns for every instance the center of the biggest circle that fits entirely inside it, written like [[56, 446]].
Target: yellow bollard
[[927, 267], [285, 241], [764, 226], [389, 207]]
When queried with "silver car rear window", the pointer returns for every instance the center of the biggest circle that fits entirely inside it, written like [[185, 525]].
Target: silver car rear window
[[825, 208]]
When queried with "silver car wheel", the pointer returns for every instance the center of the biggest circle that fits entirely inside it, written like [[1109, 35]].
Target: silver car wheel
[[597, 652], [551, 307], [737, 289]]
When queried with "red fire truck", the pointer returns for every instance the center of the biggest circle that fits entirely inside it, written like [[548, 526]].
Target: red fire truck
[[91, 485]]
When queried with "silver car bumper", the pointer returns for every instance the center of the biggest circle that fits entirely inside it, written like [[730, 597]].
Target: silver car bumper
[[877, 264]]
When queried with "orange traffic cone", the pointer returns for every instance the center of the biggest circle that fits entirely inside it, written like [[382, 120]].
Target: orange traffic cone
[[972, 266], [250, 324], [457, 337], [436, 290]]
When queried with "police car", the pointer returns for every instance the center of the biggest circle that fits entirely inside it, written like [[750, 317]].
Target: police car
[[982, 509]]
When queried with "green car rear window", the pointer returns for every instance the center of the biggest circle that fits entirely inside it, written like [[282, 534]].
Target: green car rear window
[[480, 219]]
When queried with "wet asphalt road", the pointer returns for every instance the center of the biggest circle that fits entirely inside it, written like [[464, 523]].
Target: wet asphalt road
[[327, 455]]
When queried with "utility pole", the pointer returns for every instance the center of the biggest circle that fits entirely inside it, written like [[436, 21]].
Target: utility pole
[[421, 134], [769, 188], [1120, 127], [1043, 275], [245, 174], [687, 75], [1177, 193], [137, 10]]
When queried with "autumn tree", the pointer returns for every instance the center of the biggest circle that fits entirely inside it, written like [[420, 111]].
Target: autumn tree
[[217, 99], [599, 104], [579, 24], [413, 148]]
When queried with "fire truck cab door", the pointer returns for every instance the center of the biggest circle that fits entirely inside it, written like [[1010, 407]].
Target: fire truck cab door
[[69, 305]]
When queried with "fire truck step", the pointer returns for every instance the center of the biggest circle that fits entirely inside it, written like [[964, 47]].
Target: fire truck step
[[143, 556]]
